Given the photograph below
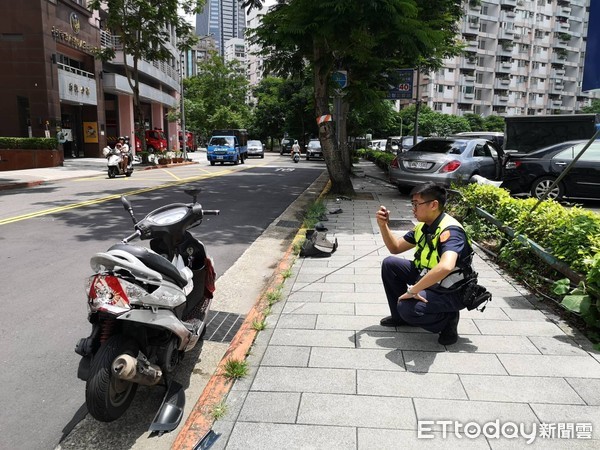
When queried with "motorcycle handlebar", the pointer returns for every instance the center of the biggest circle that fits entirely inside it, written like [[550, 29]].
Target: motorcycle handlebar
[[131, 237], [211, 212]]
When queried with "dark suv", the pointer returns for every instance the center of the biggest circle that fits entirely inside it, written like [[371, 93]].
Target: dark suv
[[286, 146]]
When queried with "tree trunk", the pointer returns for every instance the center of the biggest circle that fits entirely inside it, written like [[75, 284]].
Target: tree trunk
[[344, 147], [339, 176]]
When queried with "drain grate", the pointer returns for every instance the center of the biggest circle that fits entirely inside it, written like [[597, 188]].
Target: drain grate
[[222, 326], [400, 224], [288, 224]]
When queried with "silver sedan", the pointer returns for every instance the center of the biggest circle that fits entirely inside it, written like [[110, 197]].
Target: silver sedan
[[446, 161]]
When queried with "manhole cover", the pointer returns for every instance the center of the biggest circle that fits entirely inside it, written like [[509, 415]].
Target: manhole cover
[[400, 224], [222, 326]]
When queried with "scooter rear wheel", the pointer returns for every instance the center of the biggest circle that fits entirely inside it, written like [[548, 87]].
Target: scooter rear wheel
[[106, 396]]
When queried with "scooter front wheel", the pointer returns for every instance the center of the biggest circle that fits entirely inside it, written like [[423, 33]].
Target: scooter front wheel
[[112, 172], [106, 396]]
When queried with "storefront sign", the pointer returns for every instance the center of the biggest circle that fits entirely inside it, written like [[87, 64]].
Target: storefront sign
[[73, 41]]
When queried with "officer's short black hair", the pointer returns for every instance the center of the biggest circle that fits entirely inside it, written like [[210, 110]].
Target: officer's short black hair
[[431, 191]]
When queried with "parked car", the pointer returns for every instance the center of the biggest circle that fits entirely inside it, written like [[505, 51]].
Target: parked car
[[408, 142], [393, 144], [313, 149], [446, 161], [378, 144], [535, 172], [286, 145], [256, 148], [494, 136]]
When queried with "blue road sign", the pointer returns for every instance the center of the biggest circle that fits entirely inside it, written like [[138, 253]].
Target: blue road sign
[[340, 77], [400, 84]]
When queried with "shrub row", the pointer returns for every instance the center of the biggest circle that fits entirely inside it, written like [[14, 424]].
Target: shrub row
[[28, 143], [381, 159], [572, 235]]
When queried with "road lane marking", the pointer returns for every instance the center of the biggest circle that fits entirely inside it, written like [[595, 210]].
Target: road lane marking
[[107, 198]]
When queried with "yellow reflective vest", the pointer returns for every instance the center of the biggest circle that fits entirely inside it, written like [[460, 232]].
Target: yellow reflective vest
[[427, 255]]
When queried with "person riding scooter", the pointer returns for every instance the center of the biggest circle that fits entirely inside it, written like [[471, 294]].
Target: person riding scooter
[[124, 149], [296, 151]]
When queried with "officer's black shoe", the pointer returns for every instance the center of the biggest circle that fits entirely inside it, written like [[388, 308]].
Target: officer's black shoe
[[449, 334], [390, 321]]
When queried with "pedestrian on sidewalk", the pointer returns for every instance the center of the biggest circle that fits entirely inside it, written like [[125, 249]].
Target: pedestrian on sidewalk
[[442, 260]]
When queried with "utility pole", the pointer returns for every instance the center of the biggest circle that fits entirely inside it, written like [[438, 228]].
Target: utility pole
[[183, 133], [417, 108]]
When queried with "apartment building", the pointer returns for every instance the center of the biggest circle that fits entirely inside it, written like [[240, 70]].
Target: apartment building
[[522, 57]]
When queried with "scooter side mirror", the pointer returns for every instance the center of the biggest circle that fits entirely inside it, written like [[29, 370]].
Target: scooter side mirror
[[193, 193], [127, 205]]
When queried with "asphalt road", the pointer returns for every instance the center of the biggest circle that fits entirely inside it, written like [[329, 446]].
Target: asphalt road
[[48, 233]]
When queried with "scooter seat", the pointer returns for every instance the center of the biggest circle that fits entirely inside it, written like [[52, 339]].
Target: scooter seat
[[153, 261]]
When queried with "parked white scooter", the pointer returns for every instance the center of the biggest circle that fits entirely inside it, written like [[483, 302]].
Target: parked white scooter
[[147, 307], [114, 159]]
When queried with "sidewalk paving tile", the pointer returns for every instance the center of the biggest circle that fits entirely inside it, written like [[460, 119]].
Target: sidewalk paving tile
[[520, 328], [356, 297], [391, 439], [313, 338], [494, 344], [298, 321], [525, 315], [261, 436], [302, 379], [418, 339], [520, 389], [552, 366], [294, 308], [410, 384], [356, 358], [587, 388], [357, 410], [557, 345], [448, 362], [276, 407], [279, 355]]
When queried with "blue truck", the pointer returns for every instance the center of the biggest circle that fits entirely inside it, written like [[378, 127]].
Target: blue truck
[[227, 146]]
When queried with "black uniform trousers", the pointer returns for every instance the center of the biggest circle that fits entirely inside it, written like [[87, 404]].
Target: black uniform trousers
[[397, 274]]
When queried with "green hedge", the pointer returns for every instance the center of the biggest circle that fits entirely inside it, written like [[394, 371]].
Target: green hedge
[[381, 159], [28, 143], [570, 234]]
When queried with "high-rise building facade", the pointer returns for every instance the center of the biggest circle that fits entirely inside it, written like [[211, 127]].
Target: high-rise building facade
[[522, 57], [223, 20]]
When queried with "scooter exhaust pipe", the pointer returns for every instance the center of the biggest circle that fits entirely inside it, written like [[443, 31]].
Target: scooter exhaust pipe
[[128, 368]]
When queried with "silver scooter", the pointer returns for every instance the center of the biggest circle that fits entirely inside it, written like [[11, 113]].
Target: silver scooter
[[114, 158], [147, 308]]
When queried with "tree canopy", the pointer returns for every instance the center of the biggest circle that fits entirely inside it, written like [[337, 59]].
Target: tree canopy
[[367, 38], [216, 97]]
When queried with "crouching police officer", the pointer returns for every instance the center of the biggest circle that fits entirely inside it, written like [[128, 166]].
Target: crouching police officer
[[425, 292]]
